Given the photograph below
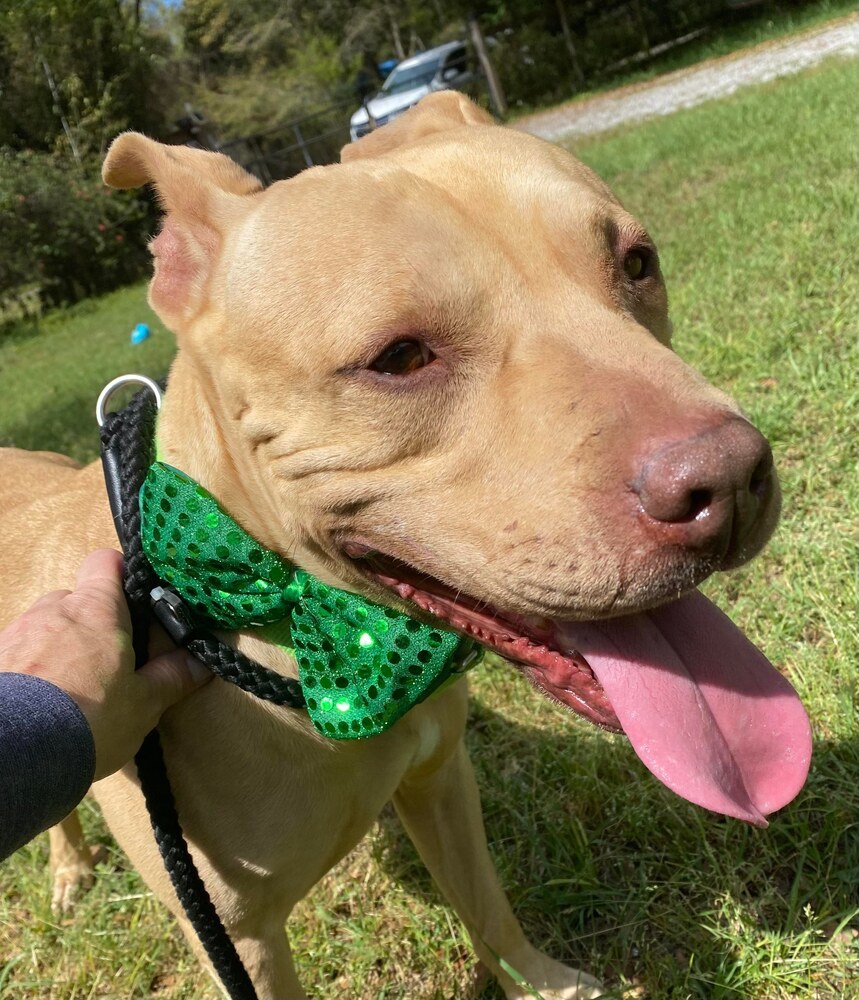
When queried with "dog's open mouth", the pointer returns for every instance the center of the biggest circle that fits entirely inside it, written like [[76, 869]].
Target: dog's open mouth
[[528, 642], [704, 709]]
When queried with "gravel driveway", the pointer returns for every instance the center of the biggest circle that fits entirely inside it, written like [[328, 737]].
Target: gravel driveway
[[688, 87]]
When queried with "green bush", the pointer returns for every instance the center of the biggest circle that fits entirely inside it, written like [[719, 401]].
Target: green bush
[[533, 65], [64, 231]]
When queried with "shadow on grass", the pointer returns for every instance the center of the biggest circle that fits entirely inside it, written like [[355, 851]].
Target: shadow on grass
[[57, 429], [67, 425], [37, 323], [21, 329], [611, 872]]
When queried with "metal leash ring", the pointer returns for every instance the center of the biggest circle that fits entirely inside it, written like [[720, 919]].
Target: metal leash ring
[[115, 384]]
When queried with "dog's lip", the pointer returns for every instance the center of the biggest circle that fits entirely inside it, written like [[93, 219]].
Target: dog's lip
[[525, 640], [703, 708]]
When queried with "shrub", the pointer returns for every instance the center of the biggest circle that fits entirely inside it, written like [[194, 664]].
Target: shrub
[[533, 65], [64, 231]]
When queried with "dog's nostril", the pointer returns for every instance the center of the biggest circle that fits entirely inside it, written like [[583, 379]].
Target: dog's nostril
[[698, 502], [760, 476], [708, 473]]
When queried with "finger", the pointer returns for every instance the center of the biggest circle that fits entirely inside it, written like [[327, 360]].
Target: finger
[[172, 676], [100, 566], [100, 577]]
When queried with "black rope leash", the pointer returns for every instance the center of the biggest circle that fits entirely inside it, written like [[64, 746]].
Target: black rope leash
[[126, 438], [126, 455]]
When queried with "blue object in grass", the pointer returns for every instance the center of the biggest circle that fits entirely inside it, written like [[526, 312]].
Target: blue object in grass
[[140, 333]]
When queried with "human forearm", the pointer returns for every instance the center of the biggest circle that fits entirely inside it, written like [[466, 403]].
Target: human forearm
[[47, 758]]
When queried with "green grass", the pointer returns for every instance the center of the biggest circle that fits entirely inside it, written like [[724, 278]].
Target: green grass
[[52, 371], [752, 202]]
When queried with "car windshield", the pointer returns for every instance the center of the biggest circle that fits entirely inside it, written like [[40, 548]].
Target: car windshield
[[410, 76]]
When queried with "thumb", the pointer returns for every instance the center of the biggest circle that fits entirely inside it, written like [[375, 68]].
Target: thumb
[[172, 676]]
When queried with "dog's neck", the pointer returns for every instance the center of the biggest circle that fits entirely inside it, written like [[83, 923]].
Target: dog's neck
[[365, 665], [194, 436]]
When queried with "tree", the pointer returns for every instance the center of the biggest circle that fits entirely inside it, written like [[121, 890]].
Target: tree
[[73, 73]]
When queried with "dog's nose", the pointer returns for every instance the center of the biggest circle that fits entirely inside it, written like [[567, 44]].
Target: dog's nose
[[711, 492]]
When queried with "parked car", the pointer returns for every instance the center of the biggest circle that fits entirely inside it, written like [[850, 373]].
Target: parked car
[[443, 68]]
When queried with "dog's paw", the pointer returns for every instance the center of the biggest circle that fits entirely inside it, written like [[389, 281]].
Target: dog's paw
[[72, 878], [584, 987], [553, 981]]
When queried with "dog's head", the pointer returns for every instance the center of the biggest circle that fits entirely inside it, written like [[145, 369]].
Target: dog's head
[[441, 372]]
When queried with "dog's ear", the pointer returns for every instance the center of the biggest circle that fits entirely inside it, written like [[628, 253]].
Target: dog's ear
[[202, 194], [435, 113]]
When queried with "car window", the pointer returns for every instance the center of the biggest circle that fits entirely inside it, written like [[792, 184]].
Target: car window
[[412, 76], [458, 60]]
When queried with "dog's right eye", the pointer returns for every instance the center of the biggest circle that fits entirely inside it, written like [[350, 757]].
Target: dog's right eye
[[403, 358]]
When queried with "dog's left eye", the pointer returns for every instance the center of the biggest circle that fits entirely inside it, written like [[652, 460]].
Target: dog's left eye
[[403, 358], [638, 263]]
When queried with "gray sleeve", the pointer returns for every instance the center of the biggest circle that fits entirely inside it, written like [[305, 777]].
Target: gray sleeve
[[47, 758]]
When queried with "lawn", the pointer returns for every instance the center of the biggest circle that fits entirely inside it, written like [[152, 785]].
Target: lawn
[[52, 372], [752, 202]]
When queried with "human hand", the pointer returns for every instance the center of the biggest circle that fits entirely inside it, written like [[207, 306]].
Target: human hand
[[80, 641]]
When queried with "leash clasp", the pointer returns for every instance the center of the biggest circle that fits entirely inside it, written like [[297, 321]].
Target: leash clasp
[[173, 615]]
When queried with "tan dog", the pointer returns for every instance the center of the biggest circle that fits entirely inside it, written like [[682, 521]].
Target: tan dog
[[439, 369]]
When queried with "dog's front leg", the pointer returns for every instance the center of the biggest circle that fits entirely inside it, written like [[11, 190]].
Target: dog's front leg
[[268, 959], [440, 810], [72, 863]]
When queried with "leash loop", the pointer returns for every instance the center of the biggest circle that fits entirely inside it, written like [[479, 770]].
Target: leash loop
[[118, 382]]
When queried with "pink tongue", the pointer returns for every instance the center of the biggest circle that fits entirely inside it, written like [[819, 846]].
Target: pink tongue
[[704, 709]]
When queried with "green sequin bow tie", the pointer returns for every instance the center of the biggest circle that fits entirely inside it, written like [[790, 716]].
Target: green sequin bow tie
[[362, 666]]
